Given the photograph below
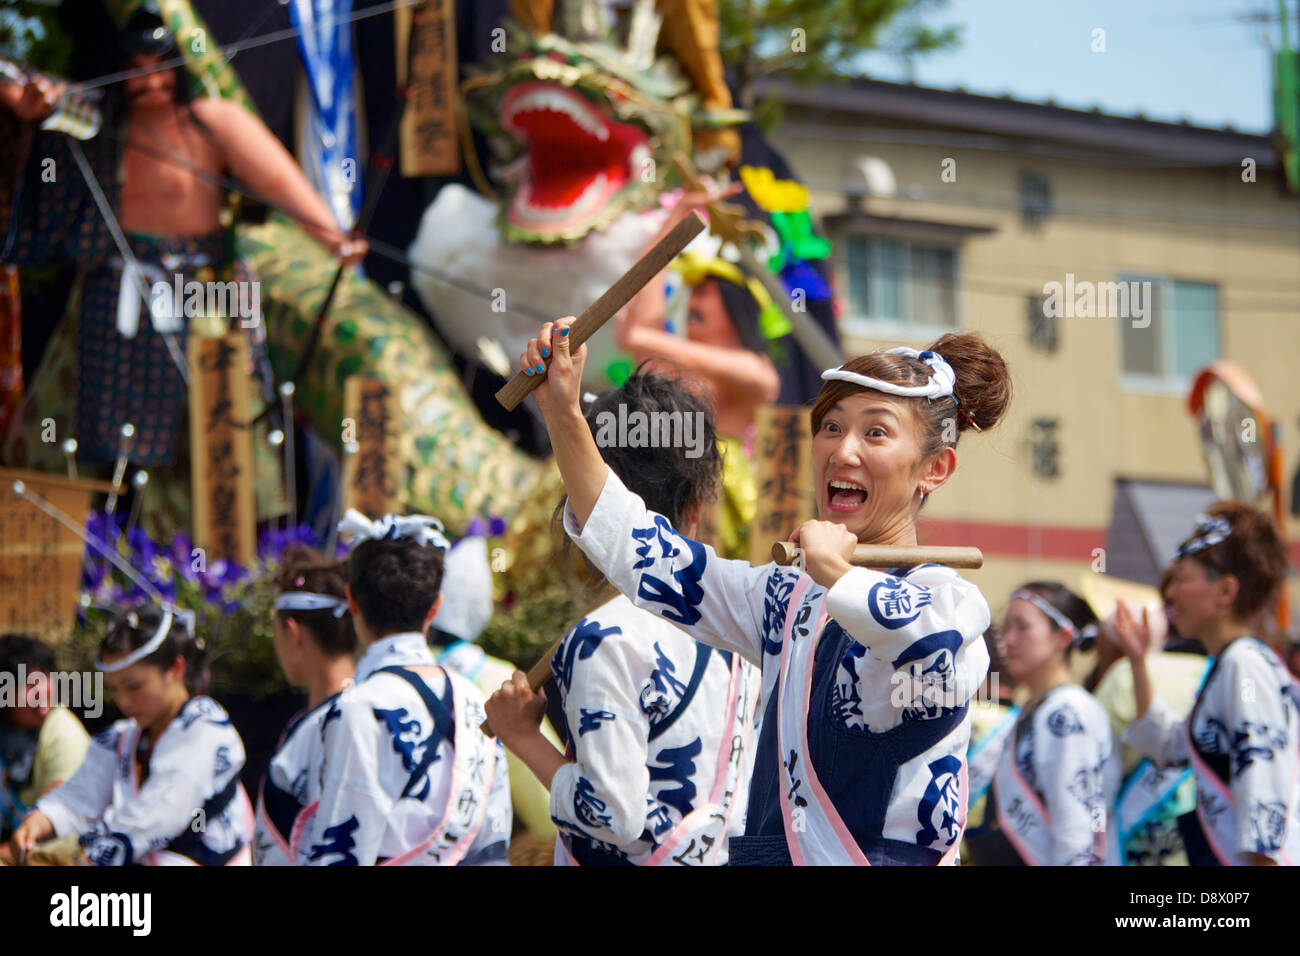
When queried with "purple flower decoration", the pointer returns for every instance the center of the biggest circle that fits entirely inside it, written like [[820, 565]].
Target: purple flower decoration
[[496, 527]]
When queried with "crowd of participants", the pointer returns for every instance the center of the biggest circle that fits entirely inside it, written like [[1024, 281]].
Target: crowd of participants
[[705, 711]]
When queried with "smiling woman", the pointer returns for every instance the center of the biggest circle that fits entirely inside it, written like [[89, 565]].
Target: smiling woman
[[847, 770]]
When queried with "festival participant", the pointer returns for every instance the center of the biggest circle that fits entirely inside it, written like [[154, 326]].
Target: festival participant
[[407, 776], [1058, 771], [42, 743], [1151, 798], [862, 757], [727, 349], [660, 726], [465, 611], [314, 643], [161, 786], [1242, 735]]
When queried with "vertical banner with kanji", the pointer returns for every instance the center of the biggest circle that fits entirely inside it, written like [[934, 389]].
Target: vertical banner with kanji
[[784, 452], [40, 559], [428, 132], [371, 461], [221, 448]]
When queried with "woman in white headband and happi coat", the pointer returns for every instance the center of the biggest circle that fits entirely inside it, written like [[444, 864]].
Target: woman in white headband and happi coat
[[866, 675], [314, 643], [1242, 736], [161, 786], [1057, 773]]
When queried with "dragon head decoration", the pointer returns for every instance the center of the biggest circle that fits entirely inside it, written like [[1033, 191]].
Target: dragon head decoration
[[582, 125]]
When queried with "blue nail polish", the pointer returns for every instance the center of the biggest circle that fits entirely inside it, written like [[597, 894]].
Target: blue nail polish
[[528, 371], [564, 331], [541, 368], [545, 352]]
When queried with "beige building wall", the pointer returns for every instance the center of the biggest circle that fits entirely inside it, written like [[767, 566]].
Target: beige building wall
[[1204, 225]]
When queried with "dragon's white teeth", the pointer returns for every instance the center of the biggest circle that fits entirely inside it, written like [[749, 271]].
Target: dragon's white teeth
[[557, 102], [639, 158], [590, 197]]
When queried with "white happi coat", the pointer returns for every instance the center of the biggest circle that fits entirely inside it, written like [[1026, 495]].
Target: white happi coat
[[291, 788], [385, 799], [861, 758], [1056, 782], [1242, 739], [191, 810], [661, 732]]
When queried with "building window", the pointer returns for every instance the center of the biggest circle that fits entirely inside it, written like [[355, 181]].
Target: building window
[[1035, 199], [1043, 332], [1182, 337], [899, 286]]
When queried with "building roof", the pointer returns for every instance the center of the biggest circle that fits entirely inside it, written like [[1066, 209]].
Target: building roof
[[1087, 131]]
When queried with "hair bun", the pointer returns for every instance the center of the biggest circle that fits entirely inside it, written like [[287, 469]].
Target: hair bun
[[983, 387]]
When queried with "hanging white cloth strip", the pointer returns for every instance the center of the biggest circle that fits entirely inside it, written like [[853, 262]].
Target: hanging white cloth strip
[[940, 385]]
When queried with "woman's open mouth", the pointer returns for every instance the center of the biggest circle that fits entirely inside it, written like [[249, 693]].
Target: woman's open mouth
[[845, 496]]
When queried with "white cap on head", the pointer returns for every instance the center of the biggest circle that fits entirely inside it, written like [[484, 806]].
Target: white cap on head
[[466, 590]]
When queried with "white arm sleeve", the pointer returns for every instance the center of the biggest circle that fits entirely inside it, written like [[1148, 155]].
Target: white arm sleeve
[[717, 601], [929, 626], [1158, 736], [75, 806]]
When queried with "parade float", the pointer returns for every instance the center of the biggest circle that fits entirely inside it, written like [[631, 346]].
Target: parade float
[[591, 127]]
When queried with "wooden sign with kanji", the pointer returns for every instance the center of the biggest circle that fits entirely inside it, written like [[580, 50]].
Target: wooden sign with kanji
[[221, 448], [429, 145], [40, 559], [371, 461], [783, 450]]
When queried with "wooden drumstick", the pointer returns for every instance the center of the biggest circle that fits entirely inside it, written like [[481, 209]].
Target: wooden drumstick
[[654, 261], [886, 556]]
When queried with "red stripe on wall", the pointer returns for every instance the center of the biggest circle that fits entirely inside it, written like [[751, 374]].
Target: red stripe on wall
[[1014, 540], [1024, 540]]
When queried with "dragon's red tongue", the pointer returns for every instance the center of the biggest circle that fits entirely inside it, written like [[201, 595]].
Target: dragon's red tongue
[[565, 158]]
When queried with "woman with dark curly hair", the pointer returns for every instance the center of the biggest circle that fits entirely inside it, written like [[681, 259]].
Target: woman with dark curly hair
[[660, 726], [1242, 735]]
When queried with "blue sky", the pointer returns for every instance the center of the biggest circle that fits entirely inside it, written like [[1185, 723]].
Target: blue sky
[[1167, 58]]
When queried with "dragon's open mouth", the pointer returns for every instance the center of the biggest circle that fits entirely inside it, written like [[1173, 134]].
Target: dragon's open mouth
[[577, 157]]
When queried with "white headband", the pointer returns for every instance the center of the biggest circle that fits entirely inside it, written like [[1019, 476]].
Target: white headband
[[1056, 617], [310, 601], [1209, 532], [151, 645], [421, 528], [940, 385]]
